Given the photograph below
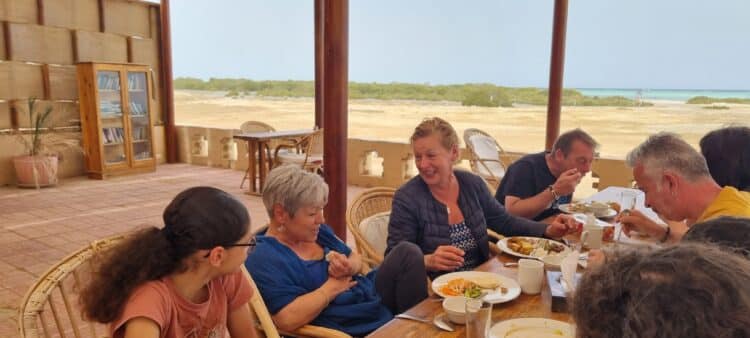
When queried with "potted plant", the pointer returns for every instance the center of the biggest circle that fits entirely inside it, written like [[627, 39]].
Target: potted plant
[[38, 166]]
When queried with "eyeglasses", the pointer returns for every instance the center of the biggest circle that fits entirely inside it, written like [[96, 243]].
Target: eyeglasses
[[250, 244]]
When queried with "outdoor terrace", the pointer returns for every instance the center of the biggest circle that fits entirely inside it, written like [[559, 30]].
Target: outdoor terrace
[[40, 227]]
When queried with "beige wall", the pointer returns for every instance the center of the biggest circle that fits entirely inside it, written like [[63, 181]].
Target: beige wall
[[373, 163], [39, 47]]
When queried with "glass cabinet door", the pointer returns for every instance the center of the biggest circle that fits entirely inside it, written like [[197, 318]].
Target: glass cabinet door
[[139, 115], [110, 107]]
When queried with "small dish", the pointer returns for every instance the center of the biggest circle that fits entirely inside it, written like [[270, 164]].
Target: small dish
[[455, 309]]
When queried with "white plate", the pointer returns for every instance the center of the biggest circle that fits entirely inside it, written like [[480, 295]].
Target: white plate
[[607, 214], [494, 297], [503, 246], [532, 328]]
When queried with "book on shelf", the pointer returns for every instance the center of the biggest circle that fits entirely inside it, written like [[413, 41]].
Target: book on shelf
[[137, 109], [113, 135], [108, 82], [136, 82]]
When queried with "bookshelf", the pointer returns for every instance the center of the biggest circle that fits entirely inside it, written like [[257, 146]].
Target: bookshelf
[[115, 118]]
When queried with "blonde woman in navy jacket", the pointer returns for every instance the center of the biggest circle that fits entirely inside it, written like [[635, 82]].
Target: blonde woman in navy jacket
[[446, 212]]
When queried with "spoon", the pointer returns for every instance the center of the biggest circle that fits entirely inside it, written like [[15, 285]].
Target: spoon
[[412, 317], [440, 322]]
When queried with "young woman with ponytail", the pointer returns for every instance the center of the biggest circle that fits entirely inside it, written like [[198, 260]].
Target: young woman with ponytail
[[183, 280]]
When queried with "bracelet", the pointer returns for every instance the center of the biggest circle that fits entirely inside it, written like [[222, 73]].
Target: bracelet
[[554, 193], [666, 235]]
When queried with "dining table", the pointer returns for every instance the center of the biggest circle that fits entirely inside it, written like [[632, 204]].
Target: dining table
[[525, 306], [256, 142], [539, 306]]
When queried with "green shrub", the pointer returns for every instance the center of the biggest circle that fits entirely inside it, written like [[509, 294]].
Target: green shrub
[[710, 100]]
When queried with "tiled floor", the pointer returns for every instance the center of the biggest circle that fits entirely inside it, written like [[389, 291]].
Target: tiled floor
[[39, 227]]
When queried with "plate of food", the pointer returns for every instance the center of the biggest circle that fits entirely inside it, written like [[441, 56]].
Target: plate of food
[[532, 247], [532, 328], [495, 288], [599, 209]]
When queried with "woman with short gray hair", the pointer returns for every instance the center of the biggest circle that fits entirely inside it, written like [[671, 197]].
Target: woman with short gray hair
[[306, 274]]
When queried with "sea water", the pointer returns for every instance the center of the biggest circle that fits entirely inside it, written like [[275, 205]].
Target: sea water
[[665, 94]]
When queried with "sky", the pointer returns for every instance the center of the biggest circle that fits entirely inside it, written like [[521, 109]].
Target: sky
[[646, 44]]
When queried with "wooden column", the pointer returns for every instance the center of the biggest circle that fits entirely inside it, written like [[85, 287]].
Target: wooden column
[[319, 9], [557, 65], [170, 131], [335, 95]]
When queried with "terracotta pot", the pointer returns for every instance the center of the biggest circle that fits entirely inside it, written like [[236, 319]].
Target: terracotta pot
[[35, 171]]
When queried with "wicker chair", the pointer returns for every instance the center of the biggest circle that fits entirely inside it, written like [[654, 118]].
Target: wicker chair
[[376, 202], [256, 127], [50, 306], [368, 203], [485, 156], [312, 157]]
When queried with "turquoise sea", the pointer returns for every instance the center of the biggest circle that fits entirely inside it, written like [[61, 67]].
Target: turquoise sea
[[664, 94]]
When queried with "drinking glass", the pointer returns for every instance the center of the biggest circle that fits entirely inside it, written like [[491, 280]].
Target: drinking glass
[[628, 200], [478, 318]]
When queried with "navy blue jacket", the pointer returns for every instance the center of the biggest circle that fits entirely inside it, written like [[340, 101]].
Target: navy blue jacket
[[417, 217]]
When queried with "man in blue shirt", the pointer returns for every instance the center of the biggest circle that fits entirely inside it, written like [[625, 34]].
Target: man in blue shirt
[[536, 184]]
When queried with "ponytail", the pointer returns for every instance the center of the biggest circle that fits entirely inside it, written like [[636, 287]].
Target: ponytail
[[145, 256], [198, 218]]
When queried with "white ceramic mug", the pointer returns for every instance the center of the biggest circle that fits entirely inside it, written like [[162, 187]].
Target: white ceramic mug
[[591, 237], [530, 276]]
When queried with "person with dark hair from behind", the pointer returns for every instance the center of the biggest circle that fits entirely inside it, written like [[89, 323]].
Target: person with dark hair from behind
[[536, 184], [183, 280], [685, 290], [727, 153], [727, 231]]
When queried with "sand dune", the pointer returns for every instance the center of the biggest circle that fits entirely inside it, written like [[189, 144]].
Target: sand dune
[[521, 128]]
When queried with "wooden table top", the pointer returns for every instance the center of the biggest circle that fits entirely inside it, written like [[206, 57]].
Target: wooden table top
[[268, 135], [523, 306]]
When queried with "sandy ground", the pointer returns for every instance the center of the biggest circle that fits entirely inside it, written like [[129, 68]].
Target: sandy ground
[[521, 128]]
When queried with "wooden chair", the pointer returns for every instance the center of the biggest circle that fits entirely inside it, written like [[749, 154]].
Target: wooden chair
[[265, 322], [368, 203], [486, 158], [311, 159], [255, 127], [50, 307]]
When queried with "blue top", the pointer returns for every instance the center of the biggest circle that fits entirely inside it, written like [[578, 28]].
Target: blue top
[[282, 276], [417, 217], [527, 177], [462, 238]]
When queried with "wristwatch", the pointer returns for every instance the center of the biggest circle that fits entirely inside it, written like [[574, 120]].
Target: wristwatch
[[554, 193]]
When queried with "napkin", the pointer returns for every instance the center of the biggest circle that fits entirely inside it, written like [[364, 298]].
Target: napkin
[[568, 268]]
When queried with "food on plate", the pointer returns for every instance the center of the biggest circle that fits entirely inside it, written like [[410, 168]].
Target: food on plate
[[595, 207], [523, 246], [537, 247], [470, 288], [486, 282], [615, 206]]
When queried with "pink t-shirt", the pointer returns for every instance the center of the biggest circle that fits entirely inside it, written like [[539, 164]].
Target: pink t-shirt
[[179, 318]]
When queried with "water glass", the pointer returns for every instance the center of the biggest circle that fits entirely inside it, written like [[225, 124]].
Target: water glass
[[478, 318], [627, 200]]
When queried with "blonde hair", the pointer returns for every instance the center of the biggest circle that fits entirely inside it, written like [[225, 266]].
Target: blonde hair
[[435, 125]]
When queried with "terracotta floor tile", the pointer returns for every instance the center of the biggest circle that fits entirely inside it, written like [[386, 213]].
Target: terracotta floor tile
[[38, 228]]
